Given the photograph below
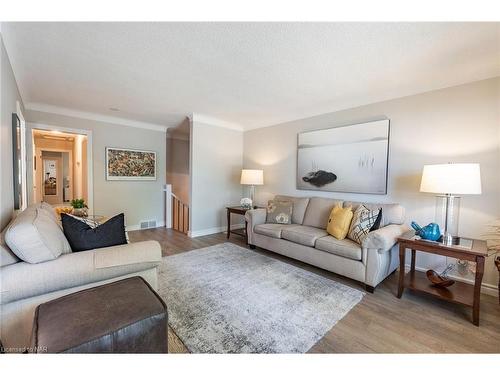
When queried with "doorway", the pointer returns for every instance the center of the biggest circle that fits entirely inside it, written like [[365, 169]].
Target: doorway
[[52, 186], [61, 167]]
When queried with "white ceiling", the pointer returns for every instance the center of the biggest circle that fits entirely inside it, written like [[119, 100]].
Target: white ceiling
[[248, 74]]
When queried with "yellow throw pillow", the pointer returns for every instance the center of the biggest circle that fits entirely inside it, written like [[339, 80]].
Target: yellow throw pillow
[[339, 222]]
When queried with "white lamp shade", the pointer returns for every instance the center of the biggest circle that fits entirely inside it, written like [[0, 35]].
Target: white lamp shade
[[252, 177], [460, 178]]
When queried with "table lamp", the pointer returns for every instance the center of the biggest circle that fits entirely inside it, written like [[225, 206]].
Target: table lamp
[[252, 177], [448, 181]]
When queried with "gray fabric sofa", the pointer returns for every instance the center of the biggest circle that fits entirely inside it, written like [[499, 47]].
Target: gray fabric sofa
[[306, 239], [23, 285]]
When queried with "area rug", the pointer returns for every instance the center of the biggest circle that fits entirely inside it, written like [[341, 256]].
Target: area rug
[[228, 299]]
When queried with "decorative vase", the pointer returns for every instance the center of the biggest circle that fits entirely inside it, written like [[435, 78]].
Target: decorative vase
[[429, 232], [82, 212]]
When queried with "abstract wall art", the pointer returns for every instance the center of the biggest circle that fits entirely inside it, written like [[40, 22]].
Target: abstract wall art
[[350, 159], [126, 164]]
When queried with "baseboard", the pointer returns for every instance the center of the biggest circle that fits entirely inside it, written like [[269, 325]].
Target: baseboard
[[209, 231], [130, 228], [489, 289]]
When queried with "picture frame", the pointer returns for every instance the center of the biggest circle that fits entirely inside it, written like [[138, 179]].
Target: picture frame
[[349, 159], [123, 164]]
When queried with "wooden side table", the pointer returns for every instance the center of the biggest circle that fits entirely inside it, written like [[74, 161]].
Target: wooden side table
[[460, 292], [238, 210]]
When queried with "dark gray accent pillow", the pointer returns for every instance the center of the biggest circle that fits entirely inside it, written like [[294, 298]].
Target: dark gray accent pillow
[[82, 236], [279, 212]]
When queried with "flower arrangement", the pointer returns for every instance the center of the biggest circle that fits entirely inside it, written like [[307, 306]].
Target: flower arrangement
[[246, 203], [79, 207], [78, 203]]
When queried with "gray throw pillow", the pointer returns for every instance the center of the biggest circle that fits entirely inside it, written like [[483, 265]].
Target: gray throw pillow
[[279, 212]]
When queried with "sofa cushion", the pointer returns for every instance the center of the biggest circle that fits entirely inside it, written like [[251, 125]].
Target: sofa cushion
[[35, 237], [7, 257], [272, 230], [303, 234], [24, 280], [279, 212], [392, 213], [344, 248], [318, 211], [299, 207]]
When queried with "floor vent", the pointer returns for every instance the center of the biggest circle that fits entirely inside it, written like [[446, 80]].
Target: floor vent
[[148, 224]]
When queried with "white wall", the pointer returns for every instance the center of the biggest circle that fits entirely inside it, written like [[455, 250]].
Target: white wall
[[178, 167], [458, 124], [8, 97], [139, 200], [216, 160]]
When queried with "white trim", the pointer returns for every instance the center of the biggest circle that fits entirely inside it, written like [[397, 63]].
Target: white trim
[[47, 108], [214, 230], [131, 228], [196, 117], [24, 158], [489, 289], [90, 162], [167, 188], [190, 198]]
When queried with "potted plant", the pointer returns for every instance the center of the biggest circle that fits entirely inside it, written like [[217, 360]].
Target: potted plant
[[79, 207]]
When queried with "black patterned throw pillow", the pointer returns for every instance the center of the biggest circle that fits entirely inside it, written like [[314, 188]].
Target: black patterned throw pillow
[[362, 222]]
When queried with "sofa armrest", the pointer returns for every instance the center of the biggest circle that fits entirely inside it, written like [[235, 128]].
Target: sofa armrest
[[23, 280], [385, 238], [253, 218]]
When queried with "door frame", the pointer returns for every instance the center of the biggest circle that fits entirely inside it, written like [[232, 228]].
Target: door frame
[[24, 166], [70, 152], [90, 164]]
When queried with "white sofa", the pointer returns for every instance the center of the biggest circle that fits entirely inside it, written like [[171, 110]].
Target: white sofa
[[23, 285], [306, 239]]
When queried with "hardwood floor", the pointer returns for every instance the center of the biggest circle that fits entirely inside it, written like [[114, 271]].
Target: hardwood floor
[[380, 323]]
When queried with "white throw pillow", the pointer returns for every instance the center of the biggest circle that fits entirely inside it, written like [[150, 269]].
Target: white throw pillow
[[7, 257], [35, 237], [47, 207]]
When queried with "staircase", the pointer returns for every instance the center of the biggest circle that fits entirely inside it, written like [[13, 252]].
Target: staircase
[[180, 215]]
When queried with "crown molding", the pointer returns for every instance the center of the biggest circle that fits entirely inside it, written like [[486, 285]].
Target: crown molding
[[197, 117], [47, 108]]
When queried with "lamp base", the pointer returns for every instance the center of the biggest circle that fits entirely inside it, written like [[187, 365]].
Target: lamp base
[[448, 239], [447, 214]]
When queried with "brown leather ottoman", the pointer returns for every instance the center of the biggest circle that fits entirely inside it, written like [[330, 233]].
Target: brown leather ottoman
[[126, 316]]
